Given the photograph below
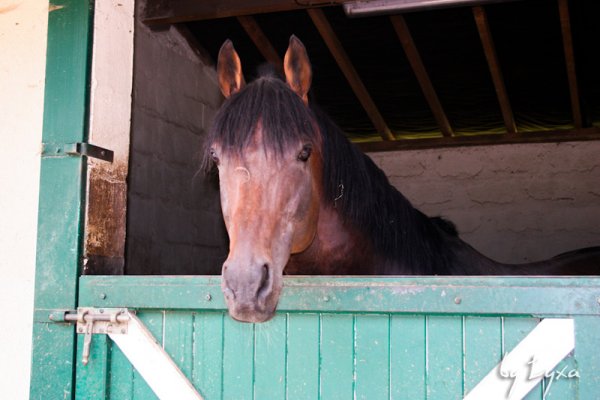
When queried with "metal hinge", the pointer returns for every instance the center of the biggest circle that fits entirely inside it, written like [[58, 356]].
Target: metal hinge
[[93, 321], [77, 149]]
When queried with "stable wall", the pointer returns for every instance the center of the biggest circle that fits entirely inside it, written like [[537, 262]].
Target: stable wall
[[174, 223], [23, 27], [514, 203]]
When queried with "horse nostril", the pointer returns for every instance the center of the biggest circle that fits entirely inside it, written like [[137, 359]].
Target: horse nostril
[[264, 286]]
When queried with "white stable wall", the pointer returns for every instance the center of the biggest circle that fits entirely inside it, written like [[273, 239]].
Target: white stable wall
[[514, 203], [23, 27]]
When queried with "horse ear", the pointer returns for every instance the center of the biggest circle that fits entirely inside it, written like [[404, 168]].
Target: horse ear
[[229, 70], [298, 72]]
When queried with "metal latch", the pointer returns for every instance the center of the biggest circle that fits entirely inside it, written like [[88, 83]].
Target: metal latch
[[77, 149], [92, 321]]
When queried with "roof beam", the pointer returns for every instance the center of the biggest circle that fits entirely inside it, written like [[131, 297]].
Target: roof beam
[[343, 61], [490, 54], [158, 12], [260, 41], [414, 58], [565, 24]]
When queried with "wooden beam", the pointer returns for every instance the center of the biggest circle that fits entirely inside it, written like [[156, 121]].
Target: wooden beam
[[555, 136], [261, 41], [565, 24], [158, 12], [414, 58], [490, 54], [343, 61]]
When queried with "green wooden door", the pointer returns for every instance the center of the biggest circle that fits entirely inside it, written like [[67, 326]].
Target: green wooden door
[[61, 196], [345, 338]]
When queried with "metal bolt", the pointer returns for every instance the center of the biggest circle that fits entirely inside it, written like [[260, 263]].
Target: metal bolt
[[457, 300], [80, 330], [598, 300], [51, 317], [326, 298], [123, 330], [103, 296], [101, 311], [208, 297]]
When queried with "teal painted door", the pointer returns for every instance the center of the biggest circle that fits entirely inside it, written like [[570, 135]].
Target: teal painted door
[[345, 338], [61, 196]]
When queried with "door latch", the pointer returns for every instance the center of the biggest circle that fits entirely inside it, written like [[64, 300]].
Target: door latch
[[93, 321]]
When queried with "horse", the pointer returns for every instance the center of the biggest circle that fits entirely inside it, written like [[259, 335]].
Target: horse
[[298, 198]]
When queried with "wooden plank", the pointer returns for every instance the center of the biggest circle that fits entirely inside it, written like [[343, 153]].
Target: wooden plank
[[153, 321], [61, 186], [565, 25], [337, 357], [303, 356], [208, 354], [414, 58], [501, 295], [152, 362], [483, 348], [444, 357], [554, 136], [270, 358], [525, 366], [238, 360], [514, 330], [262, 43], [343, 61], [170, 12], [91, 380], [587, 343], [178, 339], [408, 356], [120, 375], [110, 122], [372, 357], [489, 49]]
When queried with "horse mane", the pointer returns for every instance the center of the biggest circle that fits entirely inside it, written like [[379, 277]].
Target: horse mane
[[405, 239]]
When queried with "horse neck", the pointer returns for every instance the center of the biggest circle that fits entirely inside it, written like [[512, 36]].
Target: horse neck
[[337, 249]]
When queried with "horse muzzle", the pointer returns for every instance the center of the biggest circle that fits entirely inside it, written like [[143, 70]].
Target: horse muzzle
[[251, 292]]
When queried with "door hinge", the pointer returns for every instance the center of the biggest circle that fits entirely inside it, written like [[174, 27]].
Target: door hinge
[[77, 149], [94, 321]]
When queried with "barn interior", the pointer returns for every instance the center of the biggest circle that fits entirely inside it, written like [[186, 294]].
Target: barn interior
[[416, 76]]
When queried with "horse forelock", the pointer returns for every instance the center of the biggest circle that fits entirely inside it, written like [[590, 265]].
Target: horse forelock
[[267, 104]]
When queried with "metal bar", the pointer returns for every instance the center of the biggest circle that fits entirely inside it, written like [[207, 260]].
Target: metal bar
[[263, 44], [490, 54], [384, 7], [343, 61], [565, 25], [414, 58]]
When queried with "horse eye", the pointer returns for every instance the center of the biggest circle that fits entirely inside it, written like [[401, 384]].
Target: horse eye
[[305, 153], [213, 156]]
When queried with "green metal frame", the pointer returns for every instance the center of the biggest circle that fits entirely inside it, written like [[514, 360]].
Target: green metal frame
[[62, 188]]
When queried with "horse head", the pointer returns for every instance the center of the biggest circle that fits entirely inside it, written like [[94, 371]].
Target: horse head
[[266, 147]]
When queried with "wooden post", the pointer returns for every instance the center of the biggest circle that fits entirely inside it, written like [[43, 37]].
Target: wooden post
[[422, 76], [490, 54]]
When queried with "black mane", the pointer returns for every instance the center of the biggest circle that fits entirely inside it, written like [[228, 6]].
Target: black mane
[[407, 241]]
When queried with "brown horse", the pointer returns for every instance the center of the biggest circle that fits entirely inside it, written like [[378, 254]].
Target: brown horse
[[298, 197]]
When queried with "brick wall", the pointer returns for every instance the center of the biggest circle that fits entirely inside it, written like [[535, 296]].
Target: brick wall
[[174, 223], [514, 203]]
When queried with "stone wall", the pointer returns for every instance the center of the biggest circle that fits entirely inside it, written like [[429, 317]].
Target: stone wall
[[174, 223], [514, 203]]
